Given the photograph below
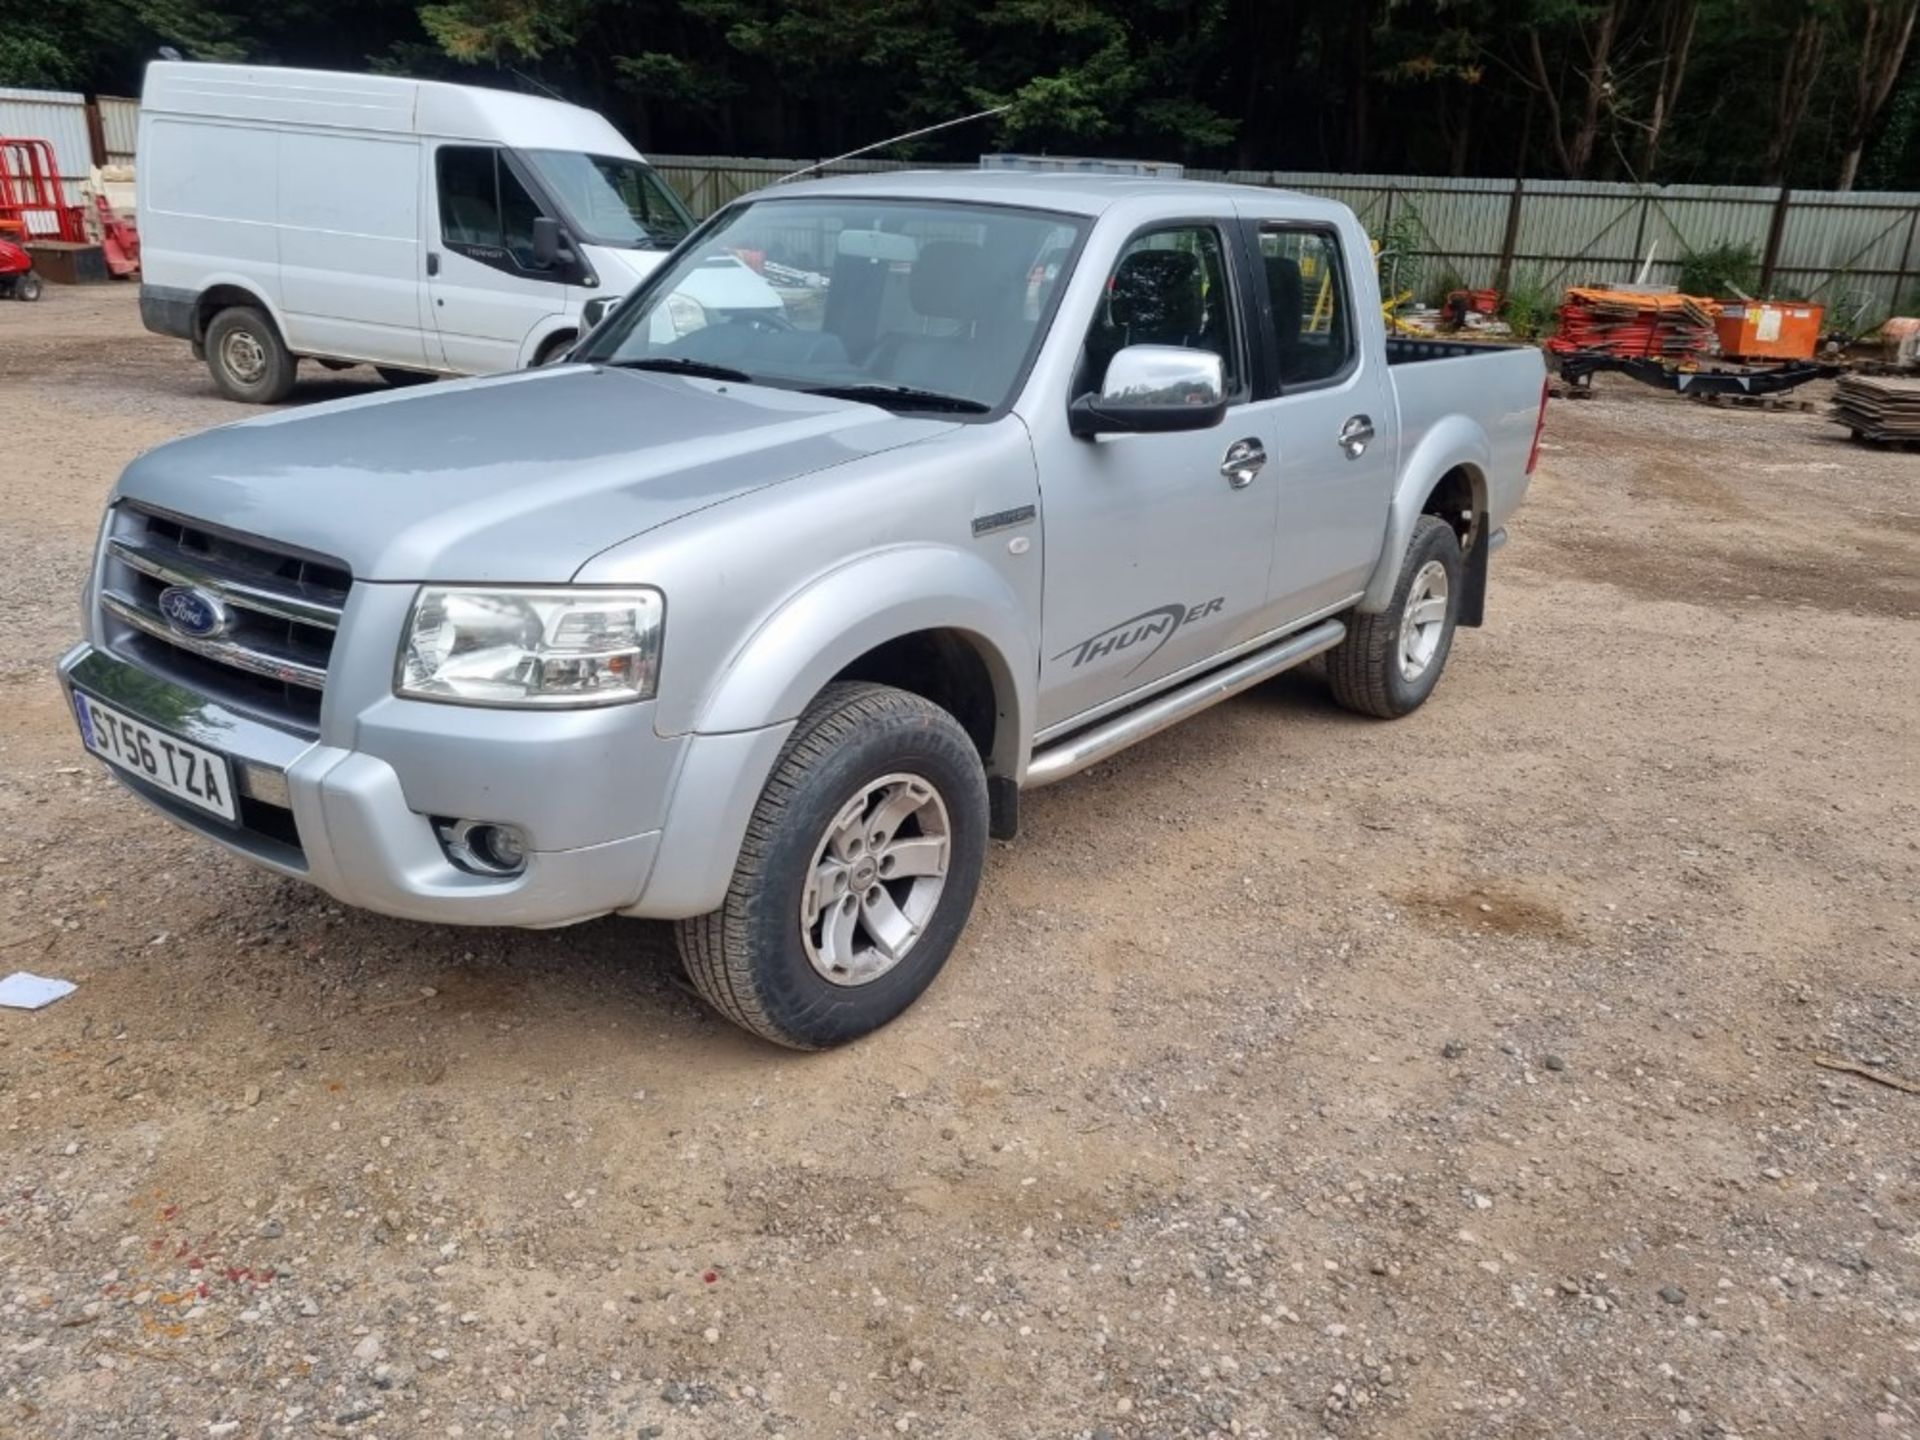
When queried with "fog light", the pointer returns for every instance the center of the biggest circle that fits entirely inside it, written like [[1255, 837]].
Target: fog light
[[484, 847]]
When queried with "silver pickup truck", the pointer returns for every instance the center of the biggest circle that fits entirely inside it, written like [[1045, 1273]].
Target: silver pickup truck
[[760, 617]]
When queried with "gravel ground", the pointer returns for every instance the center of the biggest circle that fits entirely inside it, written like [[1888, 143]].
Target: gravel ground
[[1299, 1075]]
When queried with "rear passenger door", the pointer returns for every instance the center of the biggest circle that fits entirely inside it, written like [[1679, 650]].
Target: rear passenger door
[[487, 293], [1325, 412]]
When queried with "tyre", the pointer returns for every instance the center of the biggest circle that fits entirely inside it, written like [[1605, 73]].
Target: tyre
[[27, 287], [1390, 662], [248, 360], [857, 875], [554, 347], [402, 378]]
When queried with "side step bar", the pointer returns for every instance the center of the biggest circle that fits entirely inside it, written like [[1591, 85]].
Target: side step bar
[[1089, 747]]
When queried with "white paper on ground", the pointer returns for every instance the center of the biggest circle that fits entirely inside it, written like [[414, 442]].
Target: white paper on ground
[[23, 991]]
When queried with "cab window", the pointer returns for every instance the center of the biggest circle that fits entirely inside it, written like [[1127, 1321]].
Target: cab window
[[1307, 298], [1169, 287], [485, 212]]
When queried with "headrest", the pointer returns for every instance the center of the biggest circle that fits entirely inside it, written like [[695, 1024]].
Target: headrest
[[1286, 295], [1156, 292], [949, 281]]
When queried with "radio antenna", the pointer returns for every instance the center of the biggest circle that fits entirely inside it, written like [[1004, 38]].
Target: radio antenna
[[894, 140]]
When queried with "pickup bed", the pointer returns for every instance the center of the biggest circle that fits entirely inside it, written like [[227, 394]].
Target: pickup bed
[[759, 617]]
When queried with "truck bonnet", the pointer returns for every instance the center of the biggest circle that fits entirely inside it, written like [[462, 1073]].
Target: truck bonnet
[[515, 478]]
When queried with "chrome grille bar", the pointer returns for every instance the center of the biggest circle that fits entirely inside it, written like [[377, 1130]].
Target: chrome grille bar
[[170, 565], [254, 659]]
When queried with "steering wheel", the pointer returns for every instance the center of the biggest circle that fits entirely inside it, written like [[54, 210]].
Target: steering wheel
[[775, 320]]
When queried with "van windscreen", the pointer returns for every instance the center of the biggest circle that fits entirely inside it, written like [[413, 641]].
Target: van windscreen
[[612, 201]]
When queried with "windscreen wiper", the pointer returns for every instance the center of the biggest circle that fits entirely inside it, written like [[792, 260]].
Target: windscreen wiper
[[679, 365], [904, 397]]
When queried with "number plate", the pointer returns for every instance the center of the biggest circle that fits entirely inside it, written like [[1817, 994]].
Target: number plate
[[202, 778]]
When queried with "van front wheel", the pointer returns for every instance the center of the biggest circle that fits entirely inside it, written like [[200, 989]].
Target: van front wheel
[[249, 361]]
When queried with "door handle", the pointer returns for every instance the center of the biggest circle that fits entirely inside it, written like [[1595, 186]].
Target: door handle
[[433, 263], [1356, 435], [1242, 462]]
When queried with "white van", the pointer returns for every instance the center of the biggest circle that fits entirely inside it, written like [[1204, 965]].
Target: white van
[[419, 227]]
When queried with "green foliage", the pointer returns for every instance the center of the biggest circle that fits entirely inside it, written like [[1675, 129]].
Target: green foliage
[[1722, 271], [1406, 86], [1397, 246], [1530, 305]]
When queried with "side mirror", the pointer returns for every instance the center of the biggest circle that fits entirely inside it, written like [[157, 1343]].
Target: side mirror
[[549, 243], [598, 309], [1152, 389]]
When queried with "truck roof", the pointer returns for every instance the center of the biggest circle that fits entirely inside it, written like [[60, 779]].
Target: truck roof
[[1075, 194]]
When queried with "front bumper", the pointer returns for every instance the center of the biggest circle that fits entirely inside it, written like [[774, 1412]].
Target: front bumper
[[341, 818]]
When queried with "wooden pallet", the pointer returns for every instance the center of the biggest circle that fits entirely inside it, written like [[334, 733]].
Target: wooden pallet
[[1756, 402]]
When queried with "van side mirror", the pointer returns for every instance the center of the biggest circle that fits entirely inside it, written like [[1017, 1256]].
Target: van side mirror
[[549, 244], [1152, 389]]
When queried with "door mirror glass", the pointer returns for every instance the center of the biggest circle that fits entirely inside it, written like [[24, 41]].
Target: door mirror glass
[[1151, 389], [547, 246]]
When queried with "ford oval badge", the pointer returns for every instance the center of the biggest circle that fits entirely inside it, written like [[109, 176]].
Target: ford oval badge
[[194, 613]]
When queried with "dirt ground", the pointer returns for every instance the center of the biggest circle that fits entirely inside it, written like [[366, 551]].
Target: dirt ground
[[1300, 1075]]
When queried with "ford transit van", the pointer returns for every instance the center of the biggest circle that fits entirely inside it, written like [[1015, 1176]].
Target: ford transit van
[[419, 227]]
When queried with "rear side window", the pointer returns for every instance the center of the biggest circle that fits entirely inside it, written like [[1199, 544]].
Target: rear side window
[[1307, 296], [485, 212], [1169, 287]]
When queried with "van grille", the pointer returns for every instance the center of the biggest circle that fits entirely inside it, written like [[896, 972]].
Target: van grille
[[271, 660]]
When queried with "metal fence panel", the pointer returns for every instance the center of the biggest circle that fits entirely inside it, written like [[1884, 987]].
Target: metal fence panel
[[120, 125], [59, 117], [1856, 252]]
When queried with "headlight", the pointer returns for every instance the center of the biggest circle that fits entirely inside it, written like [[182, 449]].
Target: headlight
[[528, 648]]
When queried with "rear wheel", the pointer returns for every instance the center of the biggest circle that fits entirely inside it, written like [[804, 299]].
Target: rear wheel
[[1390, 662], [27, 287], [249, 361], [857, 875]]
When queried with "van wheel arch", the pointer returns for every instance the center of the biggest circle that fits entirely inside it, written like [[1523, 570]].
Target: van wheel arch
[[216, 298], [551, 347]]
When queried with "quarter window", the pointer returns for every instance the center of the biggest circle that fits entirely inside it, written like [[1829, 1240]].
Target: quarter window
[[1306, 290], [1169, 287]]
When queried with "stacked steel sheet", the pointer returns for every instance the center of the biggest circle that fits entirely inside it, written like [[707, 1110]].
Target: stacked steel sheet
[[1878, 407], [1670, 327]]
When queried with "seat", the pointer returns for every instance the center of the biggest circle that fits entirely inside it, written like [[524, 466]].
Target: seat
[[1287, 297], [1154, 298], [953, 283]]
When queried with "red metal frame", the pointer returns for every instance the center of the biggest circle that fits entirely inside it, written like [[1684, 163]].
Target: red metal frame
[[30, 185]]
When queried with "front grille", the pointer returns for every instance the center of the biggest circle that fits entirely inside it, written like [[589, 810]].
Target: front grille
[[270, 662]]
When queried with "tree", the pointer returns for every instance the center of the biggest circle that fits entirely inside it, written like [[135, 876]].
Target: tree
[[1674, 39], [1798, 69], [1594, 25], [1886, 29]]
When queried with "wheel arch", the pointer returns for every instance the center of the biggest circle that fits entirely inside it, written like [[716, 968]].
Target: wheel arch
[[1451, 461], [919, 617], [226, 294], [555, 329]]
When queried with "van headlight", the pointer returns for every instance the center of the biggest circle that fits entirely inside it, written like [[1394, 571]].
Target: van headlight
[[524, 648]]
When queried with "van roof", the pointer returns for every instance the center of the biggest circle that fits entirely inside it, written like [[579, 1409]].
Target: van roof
[[379, 104]]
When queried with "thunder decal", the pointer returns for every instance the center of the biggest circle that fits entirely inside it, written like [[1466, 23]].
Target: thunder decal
[[1152, 628]]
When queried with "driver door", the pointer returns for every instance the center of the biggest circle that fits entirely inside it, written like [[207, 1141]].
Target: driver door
[[1157, 547], [487, 295]]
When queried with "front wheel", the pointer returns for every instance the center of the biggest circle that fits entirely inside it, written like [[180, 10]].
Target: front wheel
[[27, 287], [857, 875], [1390, 662]]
